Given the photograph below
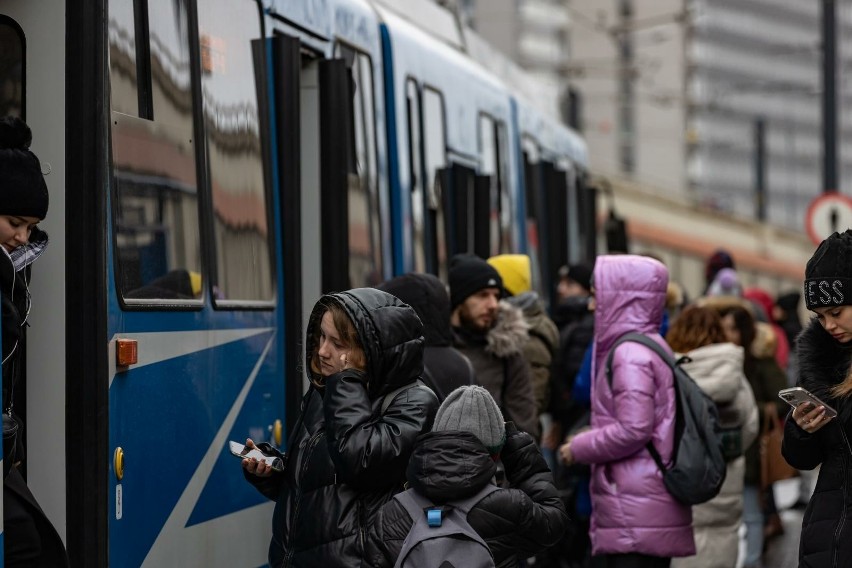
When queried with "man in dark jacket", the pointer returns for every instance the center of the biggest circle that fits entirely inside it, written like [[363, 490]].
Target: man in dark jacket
[[456, 460], [576, 330], [444, 367], [492, 334], [347, 455]]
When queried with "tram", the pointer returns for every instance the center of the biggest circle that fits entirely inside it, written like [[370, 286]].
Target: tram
[[214, 166]]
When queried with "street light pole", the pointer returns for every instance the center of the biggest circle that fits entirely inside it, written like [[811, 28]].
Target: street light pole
[[829, 98]]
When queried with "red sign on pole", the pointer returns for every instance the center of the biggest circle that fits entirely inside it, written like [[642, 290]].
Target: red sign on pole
[[826, 214]]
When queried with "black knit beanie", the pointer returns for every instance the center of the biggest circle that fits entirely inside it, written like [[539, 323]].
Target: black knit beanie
[[23, 191], [470, 274], [828, 275]]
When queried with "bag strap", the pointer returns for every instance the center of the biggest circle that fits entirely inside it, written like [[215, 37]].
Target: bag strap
[[388, 399], [415, 503], [658, 349]]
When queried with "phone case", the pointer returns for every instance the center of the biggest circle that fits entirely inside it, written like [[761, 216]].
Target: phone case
[[797, 395]]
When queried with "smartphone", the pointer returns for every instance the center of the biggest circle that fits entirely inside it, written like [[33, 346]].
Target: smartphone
[[244, 452], [797, 395]]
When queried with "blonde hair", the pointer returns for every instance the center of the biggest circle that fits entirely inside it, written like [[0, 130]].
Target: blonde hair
[[348, 337]]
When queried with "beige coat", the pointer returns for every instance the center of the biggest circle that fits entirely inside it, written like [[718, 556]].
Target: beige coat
[[718, 370]]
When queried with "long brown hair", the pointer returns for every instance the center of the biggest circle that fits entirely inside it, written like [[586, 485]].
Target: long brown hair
[[695, 327], [348, 337]]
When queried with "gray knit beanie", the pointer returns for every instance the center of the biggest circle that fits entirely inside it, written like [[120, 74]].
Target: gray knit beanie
[[471, 409]]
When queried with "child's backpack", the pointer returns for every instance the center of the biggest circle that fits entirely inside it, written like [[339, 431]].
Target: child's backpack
[[441, 536], [698, 463]]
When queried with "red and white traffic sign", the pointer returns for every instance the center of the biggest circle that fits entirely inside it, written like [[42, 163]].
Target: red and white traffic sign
[[826, 214]]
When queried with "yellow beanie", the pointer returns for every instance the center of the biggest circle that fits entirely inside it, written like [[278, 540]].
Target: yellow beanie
[[515, 271]]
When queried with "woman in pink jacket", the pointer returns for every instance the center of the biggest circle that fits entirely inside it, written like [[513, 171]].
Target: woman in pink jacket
[[635, 522]]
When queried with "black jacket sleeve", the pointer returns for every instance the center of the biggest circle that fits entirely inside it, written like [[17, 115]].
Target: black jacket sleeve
[[801, 449], [542, 519], [368, 451]]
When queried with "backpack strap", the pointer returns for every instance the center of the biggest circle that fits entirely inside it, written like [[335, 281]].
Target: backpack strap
[[663, 354], [388, 399], [416, 504]]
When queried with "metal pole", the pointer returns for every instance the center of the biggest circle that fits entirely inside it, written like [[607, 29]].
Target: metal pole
[[829, 98], [760, 169]]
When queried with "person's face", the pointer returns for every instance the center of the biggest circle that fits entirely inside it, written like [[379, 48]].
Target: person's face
[[334, 355], [732, 333], [15, 230], [479, 310], [836, 320], [567, 288]]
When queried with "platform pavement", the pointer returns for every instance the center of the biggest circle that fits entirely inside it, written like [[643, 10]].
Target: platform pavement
[[782, 551]]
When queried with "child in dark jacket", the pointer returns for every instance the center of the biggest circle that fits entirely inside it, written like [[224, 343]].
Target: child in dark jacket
[[456, 460]]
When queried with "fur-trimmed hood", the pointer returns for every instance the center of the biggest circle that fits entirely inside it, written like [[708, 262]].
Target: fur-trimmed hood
[[823, 363], [765, 342], [510, 331]]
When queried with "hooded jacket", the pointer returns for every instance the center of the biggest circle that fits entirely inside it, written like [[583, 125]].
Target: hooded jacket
[[444, 367], [348, 458], [543, 340], [14, 299], [499, 364], [718, 370], [632, 512], [826, 540], [516, 523]]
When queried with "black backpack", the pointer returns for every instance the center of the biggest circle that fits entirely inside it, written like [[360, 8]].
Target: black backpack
[[698, 462], [441, 537]]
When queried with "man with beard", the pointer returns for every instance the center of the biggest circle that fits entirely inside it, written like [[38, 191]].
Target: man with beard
[[492, 334]]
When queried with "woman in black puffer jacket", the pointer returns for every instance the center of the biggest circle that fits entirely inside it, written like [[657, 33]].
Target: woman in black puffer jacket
[[811, 437], [347, 455], [453, 463]]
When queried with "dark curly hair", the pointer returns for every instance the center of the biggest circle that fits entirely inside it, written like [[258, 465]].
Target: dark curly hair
[[695, 327]]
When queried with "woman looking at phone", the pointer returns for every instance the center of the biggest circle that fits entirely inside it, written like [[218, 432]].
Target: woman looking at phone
[[812, 437], [351, 444]]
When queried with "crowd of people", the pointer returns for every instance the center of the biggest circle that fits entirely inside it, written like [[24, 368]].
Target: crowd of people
[[476, 397], [534, 421]]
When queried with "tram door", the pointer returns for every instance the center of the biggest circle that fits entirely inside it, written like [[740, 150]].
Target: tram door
[[32, 87], [195, 340]]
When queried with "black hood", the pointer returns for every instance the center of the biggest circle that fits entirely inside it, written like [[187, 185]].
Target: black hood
[[449, 465], [428, 296], [389, 331]]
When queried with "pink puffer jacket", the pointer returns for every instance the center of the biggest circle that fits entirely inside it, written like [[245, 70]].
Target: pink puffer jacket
[[631, 510]]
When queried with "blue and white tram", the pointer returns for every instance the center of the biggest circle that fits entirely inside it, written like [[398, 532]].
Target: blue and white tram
[[215, 165]]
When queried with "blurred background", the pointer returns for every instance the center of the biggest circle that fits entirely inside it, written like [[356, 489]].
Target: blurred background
[[711, 123]]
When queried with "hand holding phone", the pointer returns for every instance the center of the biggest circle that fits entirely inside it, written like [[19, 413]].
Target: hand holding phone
[[251, 452], [809, 412], [795, 396]]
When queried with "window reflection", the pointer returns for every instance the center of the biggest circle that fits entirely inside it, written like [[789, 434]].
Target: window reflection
[[365, 244], [156, 204], [244, 262]]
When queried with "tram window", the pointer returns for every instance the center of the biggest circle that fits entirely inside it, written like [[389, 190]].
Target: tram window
[[492, 163], [415, 162], [157, 234], [244, 267], [532, 195], [365, 240], [435, 160], [11, 68]]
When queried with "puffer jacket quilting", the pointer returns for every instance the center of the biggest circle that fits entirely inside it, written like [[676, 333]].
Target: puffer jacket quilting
[[516, 523], [632, 512], [348, 459]]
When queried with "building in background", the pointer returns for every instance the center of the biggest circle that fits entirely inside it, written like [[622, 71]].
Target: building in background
[[701, 94], [691, 97]]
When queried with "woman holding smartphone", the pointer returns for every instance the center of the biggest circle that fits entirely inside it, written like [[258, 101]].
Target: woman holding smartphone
[[812, 437], [350, 446]]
